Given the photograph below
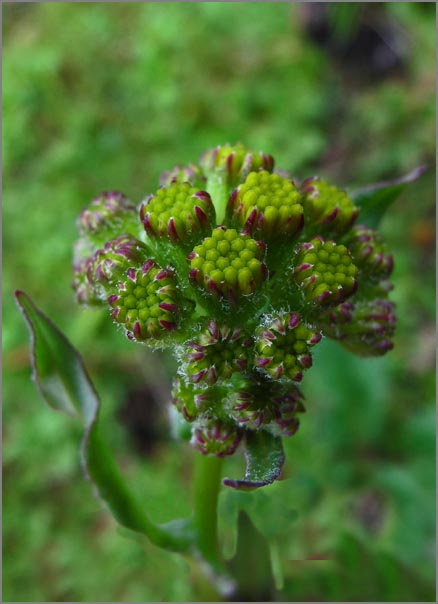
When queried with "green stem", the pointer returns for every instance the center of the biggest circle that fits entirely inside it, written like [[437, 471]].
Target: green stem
[[207, 475]]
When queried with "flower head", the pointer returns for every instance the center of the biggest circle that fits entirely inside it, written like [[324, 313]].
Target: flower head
[[235, 162], [365, 328], [216, 437], [147, 302], [179, 212], [216, 353], [325, 272], [260, 403], [267, 206], [283, 347], [228, 264], [327, 210], [108, 212]]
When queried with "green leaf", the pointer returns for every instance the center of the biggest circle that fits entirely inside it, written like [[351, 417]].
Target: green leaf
[[264, 461], [375, 199], [63, 381]]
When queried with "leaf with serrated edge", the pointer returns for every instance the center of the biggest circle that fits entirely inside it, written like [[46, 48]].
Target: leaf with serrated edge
[[264, 461]]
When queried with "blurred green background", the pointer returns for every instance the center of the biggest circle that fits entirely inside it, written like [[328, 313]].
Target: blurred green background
[[106, 96]]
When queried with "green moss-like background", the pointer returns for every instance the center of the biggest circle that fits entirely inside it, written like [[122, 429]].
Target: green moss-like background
[[105, 96]]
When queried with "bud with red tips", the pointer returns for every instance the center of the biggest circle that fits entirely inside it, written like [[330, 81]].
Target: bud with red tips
[[324, 272], [283, 347], [216, 353], [228, 264], [191, 174], [178, 212], [267, 206], [192, 401], [369, 253], [326, 208], [96, 275], [217, 437], [261, 403], [235, 162], [365, 328], [147, 303], [110, 212]]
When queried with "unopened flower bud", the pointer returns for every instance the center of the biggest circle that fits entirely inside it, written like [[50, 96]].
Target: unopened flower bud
[[217, 353], [217, 437], [192, 401], [235, 162], [179, 212], [147, 302], [369, 253], [325, 272], [261, 403], [228, 264], [266, 206], [111, 211], [95, 275], [326, 208], [365, 328], [191, 174], [283, 347]]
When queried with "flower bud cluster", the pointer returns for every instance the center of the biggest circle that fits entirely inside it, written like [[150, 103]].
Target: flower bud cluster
[[241, 271]]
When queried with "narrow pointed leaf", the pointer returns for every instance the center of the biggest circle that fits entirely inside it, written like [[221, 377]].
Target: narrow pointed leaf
[[375, 199], [264, 461], [63, 382]]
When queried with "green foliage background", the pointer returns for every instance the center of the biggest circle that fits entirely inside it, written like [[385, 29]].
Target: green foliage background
[[106, 96]]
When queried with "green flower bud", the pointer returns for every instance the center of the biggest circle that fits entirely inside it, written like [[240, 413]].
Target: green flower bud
[[179, 212], [192, 401], [261, 403], [191, 174], [283, 347], [217, 353], [326, 208], [235, 162], [325, 272], [147, 303], [228, 264], [267, 206], [110, 212], [95, 275], [369, 253], [216, 437], [365, 328]]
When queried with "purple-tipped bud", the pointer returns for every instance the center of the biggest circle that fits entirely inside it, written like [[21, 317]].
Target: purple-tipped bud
[[192, 402], [266, 206], [369, 253], [96, 275], [217, 353], [216, 437], [147, 302], [110, 212], [366, 328], [191, 174], [273, 406], [178, 212], [234, 162], [327, 210], [324, 272], [228, 264], [283, 347]]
